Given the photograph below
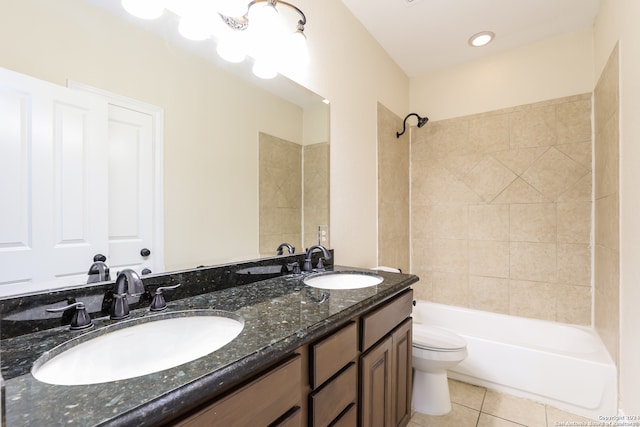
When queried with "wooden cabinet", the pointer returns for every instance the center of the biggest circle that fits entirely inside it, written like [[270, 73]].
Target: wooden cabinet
[[333, 376], [356, 375], [271, 399], [386, 368]]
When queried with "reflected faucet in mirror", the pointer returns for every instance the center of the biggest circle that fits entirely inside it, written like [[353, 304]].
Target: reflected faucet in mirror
[[290, 248], [127, 283], [307, 261], [99, 271]]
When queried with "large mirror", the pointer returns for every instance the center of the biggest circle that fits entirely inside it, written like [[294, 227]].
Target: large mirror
[[214, 119]]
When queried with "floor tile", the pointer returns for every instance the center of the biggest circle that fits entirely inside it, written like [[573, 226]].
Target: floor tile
[[460, 416], [557, 417], [516, 409], [487, 420], [466, 394]]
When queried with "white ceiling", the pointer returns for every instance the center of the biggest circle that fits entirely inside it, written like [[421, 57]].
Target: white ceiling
[[423, 35]]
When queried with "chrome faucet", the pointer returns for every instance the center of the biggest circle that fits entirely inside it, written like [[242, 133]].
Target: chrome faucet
[[127, 283], [307, 261], [285, 245]]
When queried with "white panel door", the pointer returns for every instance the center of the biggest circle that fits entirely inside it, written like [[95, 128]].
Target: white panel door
[[53, 183], [131, 190]]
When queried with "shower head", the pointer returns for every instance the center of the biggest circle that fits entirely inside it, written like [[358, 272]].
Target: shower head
[[421, 122]]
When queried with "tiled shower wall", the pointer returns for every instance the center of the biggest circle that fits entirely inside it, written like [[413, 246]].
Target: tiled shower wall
[[289, 175], [501, 210], [606, 218], [393, 191]]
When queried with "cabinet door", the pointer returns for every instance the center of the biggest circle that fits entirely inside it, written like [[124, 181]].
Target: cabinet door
[[376, 385], [402, 367]]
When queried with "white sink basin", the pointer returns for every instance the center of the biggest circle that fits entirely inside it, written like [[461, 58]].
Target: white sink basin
[[342, 280], [162, 342]]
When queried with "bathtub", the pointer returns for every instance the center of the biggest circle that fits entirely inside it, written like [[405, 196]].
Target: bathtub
[[565, 366]]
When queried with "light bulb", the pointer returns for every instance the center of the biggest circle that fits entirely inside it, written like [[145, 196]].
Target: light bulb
[[264, 69], [195, 27], [144, 9], [232, 45], [232, 8], [298, 50]]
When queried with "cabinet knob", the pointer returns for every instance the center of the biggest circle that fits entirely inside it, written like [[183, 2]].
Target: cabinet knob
[[145, 252], [99, 258]]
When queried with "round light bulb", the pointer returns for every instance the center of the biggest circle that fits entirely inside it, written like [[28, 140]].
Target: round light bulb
[[232, 8], [144, 9], [232, 45], [194, 28], [299, 51], [264, 69]]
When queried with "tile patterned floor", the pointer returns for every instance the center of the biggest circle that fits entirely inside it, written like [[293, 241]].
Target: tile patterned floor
[[475, 406]]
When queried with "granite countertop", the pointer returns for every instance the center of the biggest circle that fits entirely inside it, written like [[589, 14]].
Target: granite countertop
[[280, 315]]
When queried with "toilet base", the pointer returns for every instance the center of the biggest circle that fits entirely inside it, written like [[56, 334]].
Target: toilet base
[[431, 393]]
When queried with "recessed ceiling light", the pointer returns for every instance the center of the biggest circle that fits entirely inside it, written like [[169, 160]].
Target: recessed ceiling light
[[482, 38]]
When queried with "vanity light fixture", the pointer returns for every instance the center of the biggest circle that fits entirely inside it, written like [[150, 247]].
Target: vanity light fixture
[[241, 28], [481, 39], [421, 122]]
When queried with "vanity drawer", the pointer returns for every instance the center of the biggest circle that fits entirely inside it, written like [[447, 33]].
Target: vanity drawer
[[260, 402], [334, 397], [332, 354], [378, 323]]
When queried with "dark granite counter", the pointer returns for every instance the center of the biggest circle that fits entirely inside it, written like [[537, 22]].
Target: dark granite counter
[[280, 314]]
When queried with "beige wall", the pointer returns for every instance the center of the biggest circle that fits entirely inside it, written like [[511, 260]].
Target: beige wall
[[617, 22], [393, 191], [501, 210], [552, 68]]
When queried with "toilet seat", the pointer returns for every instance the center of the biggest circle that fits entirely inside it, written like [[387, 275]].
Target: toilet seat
[[437, 339]]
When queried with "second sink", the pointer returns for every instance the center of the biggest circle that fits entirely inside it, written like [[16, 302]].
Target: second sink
[[343, 280], [150, 344]]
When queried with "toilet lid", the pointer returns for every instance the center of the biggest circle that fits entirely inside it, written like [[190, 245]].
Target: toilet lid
[[435, 338]]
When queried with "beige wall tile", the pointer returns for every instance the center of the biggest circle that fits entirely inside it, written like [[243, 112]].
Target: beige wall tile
[[489, 222], [489, 294], [607, 229], [574, 222], [533, 127], [450, 288], [574, 264], [553, 173], [519, 160], [490, 133], [520, 192], [533, 261], [574, 121], [573, 304], [450, 221], [607, 157], [532, 299], [532, 222], [489, 258], [449, 255], [489, 178]]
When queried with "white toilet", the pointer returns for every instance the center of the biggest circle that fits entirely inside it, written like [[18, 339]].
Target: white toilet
[[434, 351]]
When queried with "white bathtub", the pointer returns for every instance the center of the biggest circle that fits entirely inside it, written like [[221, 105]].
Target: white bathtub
[[565, 366]]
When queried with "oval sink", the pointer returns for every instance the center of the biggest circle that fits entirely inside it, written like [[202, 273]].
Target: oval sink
[[160, 342], [343, 280]]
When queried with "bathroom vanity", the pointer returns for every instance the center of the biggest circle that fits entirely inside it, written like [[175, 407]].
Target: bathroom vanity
[[305, 356]]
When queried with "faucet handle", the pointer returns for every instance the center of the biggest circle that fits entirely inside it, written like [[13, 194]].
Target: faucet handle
[[158, 302], [80, 319]]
